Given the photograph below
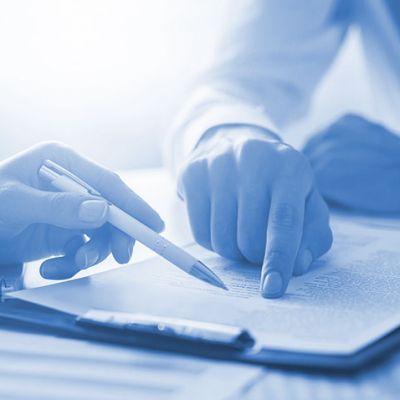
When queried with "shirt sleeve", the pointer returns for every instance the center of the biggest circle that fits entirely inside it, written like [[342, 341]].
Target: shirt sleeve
[[272, 55]]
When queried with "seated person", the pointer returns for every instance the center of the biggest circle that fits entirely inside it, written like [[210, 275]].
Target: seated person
[[249, 195]]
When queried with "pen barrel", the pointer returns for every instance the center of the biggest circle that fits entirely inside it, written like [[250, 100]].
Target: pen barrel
[[136, 229], [64, 184], [143, 234]]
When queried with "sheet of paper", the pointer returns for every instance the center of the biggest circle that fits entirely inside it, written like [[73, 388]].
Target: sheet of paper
[[350, 298], [42, 367]]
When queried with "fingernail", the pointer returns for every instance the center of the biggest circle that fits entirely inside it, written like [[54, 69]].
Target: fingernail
[[91, 258], [305, 261], [93, 210], [273, 284]]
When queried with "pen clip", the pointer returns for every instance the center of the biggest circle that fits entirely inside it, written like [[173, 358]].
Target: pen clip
[[183, 330], [5, 288], [52, 169]]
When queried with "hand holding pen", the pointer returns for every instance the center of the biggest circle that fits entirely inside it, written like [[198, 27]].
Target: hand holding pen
[[39, 223], [64, 180], [69, 230]]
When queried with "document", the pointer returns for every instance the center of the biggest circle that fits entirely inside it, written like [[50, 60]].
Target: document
[[35, 366], [350, 298]]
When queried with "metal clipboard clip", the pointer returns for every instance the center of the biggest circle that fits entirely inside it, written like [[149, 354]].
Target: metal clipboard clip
[[173, 328], [5, 288], [11, 280]]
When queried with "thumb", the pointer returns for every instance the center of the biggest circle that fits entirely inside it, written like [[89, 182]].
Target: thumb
[[72, 211], [62, 209]]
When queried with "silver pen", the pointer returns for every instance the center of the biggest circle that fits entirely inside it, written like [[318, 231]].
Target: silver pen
[[64, 180]]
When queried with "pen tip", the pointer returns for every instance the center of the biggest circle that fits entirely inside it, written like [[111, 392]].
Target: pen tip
[[220, 283], [201, 271], [223, 286]]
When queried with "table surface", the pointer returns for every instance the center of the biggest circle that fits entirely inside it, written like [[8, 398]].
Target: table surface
[[380, 380]]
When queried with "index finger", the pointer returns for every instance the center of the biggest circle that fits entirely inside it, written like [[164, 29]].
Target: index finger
[[110, 185], [284, 233]]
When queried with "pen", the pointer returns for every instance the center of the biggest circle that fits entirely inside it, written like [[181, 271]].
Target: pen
[[64, 180]]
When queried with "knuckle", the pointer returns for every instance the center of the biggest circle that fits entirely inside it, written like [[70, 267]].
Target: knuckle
[[300, 164], [276, 259], [284, 216], [189, 180], [58, 202], [192, 177], [288, 155], [192, 171], [252, 152], [294, 164], [221, 163], [248, 148], [284, 149]]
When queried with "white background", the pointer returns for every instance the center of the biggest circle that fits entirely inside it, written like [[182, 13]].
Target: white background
[[107, 77]]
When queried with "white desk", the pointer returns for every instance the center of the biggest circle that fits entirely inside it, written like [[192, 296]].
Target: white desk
[[380, 381]]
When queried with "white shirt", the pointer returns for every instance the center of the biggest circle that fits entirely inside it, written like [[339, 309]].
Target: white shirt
[[273, 55]]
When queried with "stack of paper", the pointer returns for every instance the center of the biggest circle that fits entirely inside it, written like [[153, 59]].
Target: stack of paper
[[349, 299]]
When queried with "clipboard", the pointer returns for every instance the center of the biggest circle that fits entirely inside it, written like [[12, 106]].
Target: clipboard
[[112, 291], [237, 345]]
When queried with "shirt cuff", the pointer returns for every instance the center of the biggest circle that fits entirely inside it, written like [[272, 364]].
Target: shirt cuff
[[222, 115]]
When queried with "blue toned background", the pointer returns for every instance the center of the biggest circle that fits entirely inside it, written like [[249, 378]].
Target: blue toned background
[[108, 77]]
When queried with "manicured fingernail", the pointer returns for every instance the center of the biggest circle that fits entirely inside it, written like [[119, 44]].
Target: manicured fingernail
[[91, 258], [305, 261], [273, 284], [93, 210]]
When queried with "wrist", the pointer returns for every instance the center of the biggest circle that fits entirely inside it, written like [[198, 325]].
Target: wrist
[[234, 132]]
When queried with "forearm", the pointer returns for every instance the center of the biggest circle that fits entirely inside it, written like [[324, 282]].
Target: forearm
[[265, 72], [207, 110], [356, 165]]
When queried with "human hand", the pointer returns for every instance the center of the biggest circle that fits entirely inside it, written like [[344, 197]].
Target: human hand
[[248, 195], [357, 165], [36, 222]]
